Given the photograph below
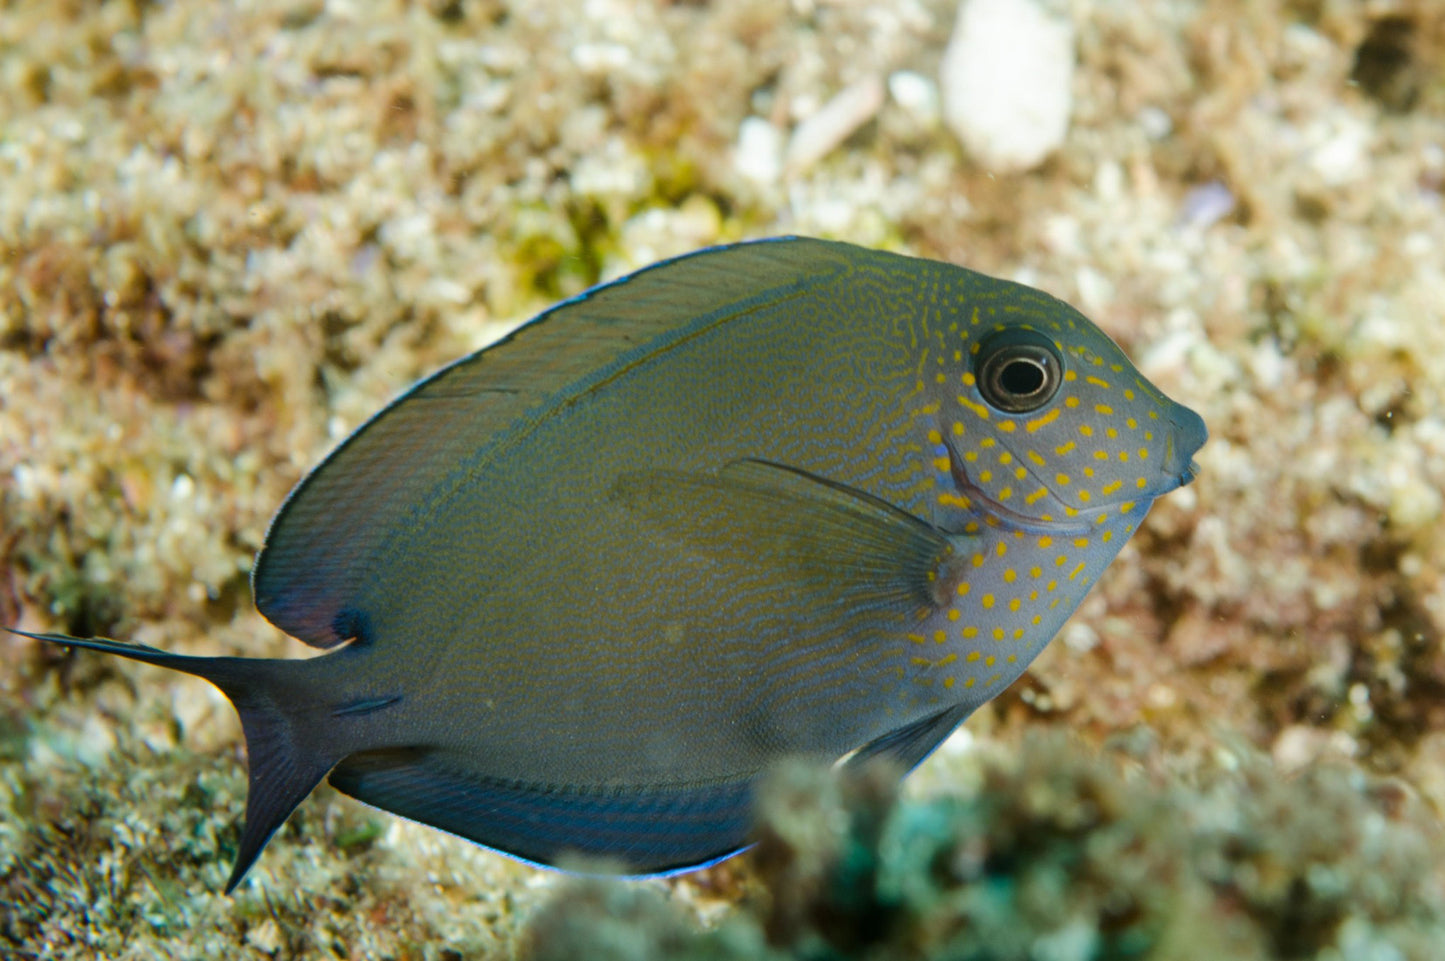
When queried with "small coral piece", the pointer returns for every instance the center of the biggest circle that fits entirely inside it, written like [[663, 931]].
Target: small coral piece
[[1056, 853]]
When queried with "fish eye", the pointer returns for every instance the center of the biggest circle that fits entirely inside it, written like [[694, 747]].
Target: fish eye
[[1019, 371]]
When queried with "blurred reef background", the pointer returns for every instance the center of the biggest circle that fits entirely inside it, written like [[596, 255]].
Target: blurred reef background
[[231, 231]]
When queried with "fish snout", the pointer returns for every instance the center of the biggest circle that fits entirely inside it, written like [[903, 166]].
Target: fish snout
[[1187, 434]]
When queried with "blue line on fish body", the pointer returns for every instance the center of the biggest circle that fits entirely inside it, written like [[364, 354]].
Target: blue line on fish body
[[790, 497]]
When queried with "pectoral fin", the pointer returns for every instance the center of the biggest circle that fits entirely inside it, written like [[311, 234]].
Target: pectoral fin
[[834, 541]]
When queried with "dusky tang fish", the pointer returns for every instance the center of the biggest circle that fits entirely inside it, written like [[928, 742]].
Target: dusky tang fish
[[790, 497]]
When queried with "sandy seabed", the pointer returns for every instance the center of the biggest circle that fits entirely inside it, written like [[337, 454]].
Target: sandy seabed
[[232, 231]]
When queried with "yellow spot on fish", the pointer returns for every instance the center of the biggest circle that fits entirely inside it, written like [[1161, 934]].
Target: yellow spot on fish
[[1007, 426], [1045, 541], [1085, 496], [958, 428], [1103, 409], [1002, 548], [1004, 493], [963, 588], [934, 437], [1091, 379], [1009, 576], [1063, 449], [969, 632], [985, 476], [948, 682], [1034, 498], [1014, 604], [1036, 457], [968, 682], [1076, 571], [987, 602], [987, 442], [1126, 507], [1071, 402], [1005, 458], [977, 560], [1111, 487], [968, 379], [1143, 453], [1062, 479], [973, 656], [1086, 430], [979, 410], [1041, 421], [1128, 395], [998, 633]]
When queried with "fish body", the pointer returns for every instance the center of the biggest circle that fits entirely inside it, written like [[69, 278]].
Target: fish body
[[790, 497]]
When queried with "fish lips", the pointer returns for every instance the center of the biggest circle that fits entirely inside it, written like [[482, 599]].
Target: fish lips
[[1187, 434]]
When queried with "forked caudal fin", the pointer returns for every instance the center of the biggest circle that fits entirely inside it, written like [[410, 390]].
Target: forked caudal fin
[[289, 751]]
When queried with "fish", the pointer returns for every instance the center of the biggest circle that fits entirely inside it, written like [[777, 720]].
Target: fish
[[579, 590]]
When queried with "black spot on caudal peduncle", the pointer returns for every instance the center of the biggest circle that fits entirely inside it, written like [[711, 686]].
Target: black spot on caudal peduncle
[[352, 625]]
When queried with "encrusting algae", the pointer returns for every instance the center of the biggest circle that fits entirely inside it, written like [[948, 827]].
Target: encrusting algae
[[1047, 851], [231, 233]]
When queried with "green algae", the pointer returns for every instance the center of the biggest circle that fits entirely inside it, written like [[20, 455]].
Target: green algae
[[1056, 853]]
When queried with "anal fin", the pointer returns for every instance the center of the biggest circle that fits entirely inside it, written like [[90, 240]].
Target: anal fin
[[650, 830]]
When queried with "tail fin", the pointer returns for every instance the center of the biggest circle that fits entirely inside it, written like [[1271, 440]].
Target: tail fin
[[286, 760]]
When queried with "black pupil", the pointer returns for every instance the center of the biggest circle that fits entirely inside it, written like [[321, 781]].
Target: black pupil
[[1021, 377]]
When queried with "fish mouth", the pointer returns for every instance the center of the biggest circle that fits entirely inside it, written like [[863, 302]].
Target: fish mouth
[[1187, 435]]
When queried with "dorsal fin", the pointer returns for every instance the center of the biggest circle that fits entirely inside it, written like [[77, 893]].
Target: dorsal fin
[[327, 535]]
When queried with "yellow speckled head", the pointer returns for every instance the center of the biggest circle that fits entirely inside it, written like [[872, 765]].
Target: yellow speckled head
[[1046, 448], [1048, 420]]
